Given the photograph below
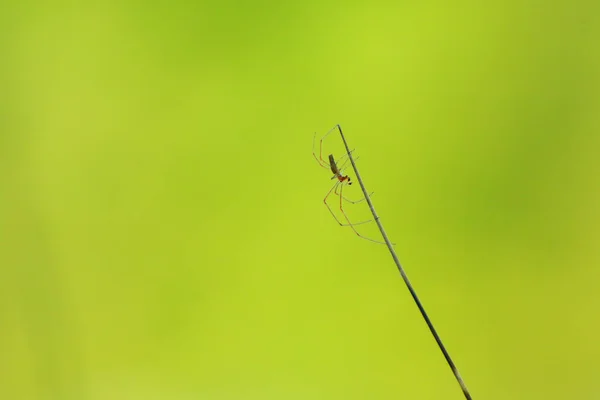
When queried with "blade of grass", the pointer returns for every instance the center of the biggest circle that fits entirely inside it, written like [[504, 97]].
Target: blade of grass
[[403, 273]]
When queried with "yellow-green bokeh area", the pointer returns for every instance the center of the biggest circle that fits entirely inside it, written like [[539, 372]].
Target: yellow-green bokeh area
[[162, 231]]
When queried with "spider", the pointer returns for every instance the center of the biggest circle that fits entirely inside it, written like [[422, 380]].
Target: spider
[[341, 181]]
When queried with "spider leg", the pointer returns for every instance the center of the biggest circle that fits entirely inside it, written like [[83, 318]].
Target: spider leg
[[343, 165], [351, 224], [319, 159], [334, 189], [353, 201]]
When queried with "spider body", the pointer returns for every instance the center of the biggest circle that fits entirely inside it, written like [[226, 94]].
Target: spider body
[[336, 171]]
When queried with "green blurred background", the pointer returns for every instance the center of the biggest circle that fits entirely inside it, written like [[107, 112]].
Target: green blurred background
[[162, 228]]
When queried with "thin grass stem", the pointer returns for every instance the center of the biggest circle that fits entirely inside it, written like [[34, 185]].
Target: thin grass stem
[[403, 273]]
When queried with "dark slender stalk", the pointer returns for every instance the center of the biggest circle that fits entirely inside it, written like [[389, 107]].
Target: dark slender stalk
[[404, 276]]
